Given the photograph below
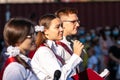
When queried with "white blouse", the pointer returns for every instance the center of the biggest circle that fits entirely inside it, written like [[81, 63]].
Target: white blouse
[[45, 63], [67, 56], [16, 71], [64, 53]]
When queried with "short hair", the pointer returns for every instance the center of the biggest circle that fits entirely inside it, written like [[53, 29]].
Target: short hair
[[66, 11]]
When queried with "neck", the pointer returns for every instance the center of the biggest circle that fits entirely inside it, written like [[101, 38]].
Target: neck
[[65, 34], [22, 51]]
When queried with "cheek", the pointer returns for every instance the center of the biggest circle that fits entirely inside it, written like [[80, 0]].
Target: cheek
[[69, 29], [28, 44]]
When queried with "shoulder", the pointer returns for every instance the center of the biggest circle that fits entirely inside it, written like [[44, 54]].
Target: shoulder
[[14, 71], [15, 66], [43, 51]]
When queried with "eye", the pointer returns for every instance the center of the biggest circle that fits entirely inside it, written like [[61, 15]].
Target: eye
[[58, 26]]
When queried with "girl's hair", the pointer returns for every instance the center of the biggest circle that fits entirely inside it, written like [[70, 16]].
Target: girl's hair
[[45, 21], [16, 31]]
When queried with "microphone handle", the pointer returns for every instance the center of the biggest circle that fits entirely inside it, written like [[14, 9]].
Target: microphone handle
[[83, 48], [56, 78]]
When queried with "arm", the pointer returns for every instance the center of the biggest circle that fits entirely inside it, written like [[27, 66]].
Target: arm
[[44, 64], [114, 58]]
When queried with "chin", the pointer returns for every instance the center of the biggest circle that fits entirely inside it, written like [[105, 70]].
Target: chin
[[60, 38], [74, 33]]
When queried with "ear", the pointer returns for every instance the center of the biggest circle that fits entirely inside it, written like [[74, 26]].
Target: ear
[[46, 32]]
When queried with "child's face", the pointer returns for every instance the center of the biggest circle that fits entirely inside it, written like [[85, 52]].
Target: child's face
[[29, 43], [55, 31]]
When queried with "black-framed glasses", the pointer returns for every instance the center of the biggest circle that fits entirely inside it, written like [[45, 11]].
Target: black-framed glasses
[[73, 21], [32, 35]]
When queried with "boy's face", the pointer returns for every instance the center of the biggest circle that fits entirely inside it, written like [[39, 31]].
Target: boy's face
[[70, 24]]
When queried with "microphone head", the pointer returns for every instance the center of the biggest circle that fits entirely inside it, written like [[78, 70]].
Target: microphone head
[[57, 74], [69, 38]]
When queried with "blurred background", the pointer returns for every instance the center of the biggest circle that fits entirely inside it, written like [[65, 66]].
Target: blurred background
[[92, 13], [99, 27]]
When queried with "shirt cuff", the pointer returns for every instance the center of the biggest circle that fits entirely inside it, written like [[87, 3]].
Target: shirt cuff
[[74, 61]]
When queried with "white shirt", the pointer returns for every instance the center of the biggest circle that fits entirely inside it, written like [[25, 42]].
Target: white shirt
[[64, 53], [45, 63], [66, 56], [16, 71]]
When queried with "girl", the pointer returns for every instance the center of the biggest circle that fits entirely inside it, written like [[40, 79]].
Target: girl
[[19, 37], [45, 60]]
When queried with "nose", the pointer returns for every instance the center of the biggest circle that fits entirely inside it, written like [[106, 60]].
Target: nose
[[61, 28], [77, 23]]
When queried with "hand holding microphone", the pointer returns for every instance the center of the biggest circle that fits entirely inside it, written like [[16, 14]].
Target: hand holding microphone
[[83, 48], [69, 39], [77, 47]]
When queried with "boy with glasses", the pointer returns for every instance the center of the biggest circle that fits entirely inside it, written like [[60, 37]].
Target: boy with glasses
[[70, 23]]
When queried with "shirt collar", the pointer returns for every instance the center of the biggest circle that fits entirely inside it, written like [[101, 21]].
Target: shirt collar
[[65, 40], [51, 43]]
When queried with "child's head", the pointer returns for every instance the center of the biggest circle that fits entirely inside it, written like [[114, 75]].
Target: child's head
[[19, 32]]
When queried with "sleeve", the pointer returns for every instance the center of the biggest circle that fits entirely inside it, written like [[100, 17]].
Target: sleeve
[[14, 72], [45, 63], [73, 61]]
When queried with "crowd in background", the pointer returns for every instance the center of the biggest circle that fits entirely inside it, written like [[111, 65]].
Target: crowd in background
[[102, 45]]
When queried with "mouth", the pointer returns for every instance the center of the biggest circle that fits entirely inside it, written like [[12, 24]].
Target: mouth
[[61, 34]]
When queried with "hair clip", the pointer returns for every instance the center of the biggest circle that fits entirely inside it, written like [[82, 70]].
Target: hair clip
[[12, 51], [39, 28]]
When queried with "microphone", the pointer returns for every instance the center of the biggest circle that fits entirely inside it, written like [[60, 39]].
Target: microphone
[[57, 75], [70, 39]]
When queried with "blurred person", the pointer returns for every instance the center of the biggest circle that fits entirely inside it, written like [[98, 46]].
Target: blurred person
[[114, 63], [92, 59], [81, 34], [98, 53], [115, 33], [105, 43], [19, 37], [45, 60], [93, 33]]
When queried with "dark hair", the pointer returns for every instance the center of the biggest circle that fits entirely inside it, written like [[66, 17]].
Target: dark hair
[[15, 31], [45, 21]]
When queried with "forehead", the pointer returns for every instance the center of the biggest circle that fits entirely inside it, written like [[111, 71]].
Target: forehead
[[55, 21], [69, 17]]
